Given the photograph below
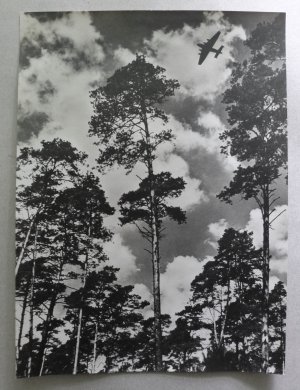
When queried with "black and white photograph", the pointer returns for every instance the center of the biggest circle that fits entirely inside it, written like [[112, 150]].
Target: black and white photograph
[[151, 196]]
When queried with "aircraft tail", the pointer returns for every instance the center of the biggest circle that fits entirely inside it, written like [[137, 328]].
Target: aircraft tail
[[219, 51]]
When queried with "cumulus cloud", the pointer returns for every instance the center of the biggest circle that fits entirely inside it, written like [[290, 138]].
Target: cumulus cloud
[[192, 194], [123, 56], [52, 90], [278, 238], [121, 256], [176, 283], [205, 141], [143, 291], [216, 231], [177, 48], [56, 80], [66, 60], [65, 37]]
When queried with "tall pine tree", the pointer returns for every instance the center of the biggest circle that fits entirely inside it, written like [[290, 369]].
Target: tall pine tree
[[129, 123], [257, 135]]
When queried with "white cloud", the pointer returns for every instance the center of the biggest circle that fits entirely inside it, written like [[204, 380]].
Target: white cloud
[[272, 281], [210, 120], [216, 231], [207, 141], [143, 291], [121, 256], [123, 56], [176, 283], [69, 109], [192, 194], [67, 106], [175, 49], [75, 27], [278, 237]]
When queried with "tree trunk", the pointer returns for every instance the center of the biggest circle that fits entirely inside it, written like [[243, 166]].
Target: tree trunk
[[282, 341], [24, 306], [95, 349], [225, 309], [157, 304], [24, 246], [45, 332], [29, 364], [107, 363], [154, 251], [43, 363], [77, 342], [265, 273], [80, 320], [237, 352]]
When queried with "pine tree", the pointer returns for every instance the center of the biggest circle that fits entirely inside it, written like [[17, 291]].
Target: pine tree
[[41, 172], [182, 343], [256, 106], [126, 120], [277, 318], [110, 318], [221, 295]]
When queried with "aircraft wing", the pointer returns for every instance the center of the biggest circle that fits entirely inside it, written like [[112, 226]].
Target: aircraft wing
[[207, 47]]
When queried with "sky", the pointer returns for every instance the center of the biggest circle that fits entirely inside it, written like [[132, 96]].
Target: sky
[[63, 56]]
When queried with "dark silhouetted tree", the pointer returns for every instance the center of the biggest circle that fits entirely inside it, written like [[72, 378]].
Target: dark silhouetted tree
[[182, 343], [257, 135], [109, 321], [42, 172], [145, 343], [277, 323], [129, 124], [220, 301]]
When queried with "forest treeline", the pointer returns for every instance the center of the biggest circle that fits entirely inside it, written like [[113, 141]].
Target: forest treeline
[[73, 315]]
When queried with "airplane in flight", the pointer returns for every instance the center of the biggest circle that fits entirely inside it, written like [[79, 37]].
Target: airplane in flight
[[207, 47]]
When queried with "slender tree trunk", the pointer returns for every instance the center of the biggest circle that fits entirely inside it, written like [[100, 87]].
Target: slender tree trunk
[[43, 363], [107, 363], [238, 359], [225, 310], [46, 329], [95, 349], [154, 252], [243, 354], [77, 342], [78, 336], [24, 246], [183, 361], [31, 317], [266, 271], [24, 306], [45, 334], [157, 304], [282, 342]]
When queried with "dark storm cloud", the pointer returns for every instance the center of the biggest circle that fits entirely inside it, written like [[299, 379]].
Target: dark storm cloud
[[186, 109], [189, 239], [43, 17], [130, 28], [31, 125], [249, 20]]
